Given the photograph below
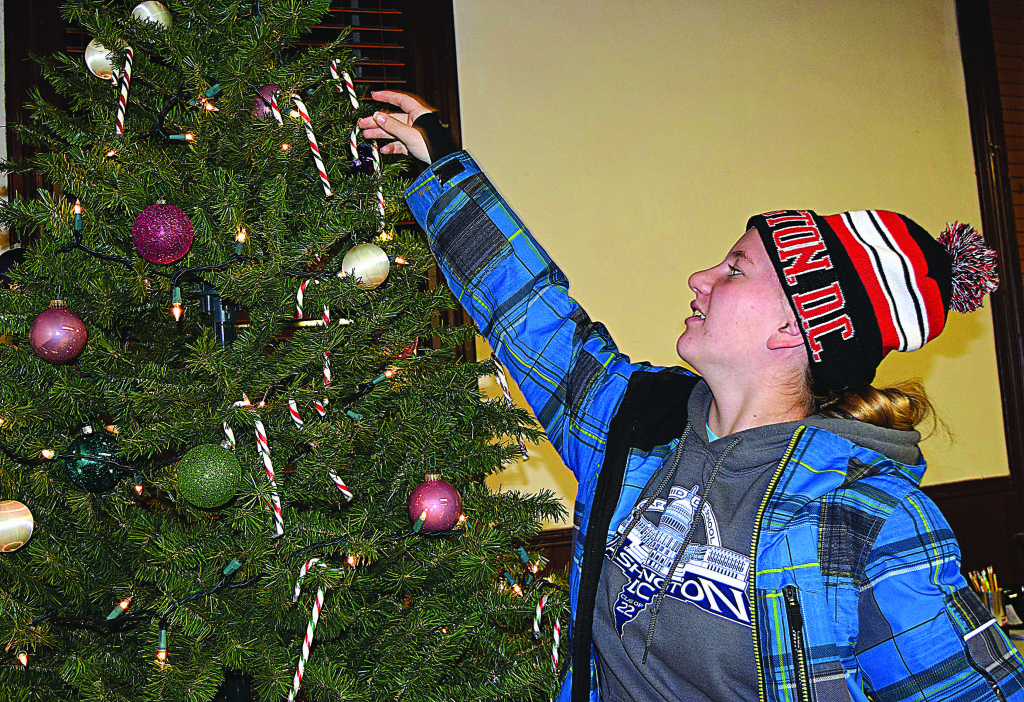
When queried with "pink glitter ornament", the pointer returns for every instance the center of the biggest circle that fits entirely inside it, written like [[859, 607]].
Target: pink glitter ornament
[[261, 107], [439, 499], [162, 234], [58, 335]]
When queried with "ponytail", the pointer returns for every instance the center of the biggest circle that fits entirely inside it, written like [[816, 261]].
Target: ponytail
[[900, 406]]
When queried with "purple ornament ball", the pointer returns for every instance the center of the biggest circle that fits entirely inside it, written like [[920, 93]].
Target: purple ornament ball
[[58, 335], [441, 501], [162, 234], [261, 107]]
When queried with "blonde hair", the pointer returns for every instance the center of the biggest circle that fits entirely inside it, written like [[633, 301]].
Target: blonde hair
[[903, 406]]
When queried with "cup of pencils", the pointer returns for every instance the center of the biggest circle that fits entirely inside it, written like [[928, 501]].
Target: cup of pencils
[[986, 585]]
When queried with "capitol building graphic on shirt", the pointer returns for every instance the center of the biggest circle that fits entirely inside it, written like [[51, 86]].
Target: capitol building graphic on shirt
[[708, 575]]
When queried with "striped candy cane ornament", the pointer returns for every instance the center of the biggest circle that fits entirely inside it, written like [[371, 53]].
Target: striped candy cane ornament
[[293, 410], [264, 449], [353, 145], [299, 296], [335, 77], [122, 100], [313, 146], [314, 617], [350, 88], [554, 644], [275, 110], [537, 616], [380, 191]]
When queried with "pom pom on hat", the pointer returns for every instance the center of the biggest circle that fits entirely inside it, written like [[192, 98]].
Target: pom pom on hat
[[974, 266]]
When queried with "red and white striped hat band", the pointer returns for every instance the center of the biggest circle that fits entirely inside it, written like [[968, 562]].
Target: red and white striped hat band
[[861, 284]]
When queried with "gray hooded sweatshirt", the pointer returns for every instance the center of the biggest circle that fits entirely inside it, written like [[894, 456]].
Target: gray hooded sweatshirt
[[688, 636]]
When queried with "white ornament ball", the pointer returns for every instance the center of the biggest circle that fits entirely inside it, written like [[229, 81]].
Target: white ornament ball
[[368, 264], [153, 12], [99, 60], [16, 525]]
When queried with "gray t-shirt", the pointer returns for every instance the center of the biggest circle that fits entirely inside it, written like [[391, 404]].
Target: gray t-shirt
[[702, 647]]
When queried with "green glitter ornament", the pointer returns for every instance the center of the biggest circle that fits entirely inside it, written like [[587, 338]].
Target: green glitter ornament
[[91, 475], [208, 476]]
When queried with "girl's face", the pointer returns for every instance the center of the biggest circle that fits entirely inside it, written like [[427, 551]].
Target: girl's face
[[740, 314]]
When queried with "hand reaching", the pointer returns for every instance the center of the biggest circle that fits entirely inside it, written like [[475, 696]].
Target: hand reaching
[[398, 125]]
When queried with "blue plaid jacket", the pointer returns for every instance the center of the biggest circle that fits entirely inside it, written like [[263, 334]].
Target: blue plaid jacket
[[857, 591]]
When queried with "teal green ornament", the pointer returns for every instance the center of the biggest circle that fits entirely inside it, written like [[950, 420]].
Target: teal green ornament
[[90, 474], [208, 476]]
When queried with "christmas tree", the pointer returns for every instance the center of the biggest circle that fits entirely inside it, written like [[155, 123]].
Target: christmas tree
[[234, 438]]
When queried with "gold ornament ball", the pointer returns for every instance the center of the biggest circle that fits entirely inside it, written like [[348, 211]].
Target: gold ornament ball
[[368, 264], [153, 12], [16, 525], [98, 60]]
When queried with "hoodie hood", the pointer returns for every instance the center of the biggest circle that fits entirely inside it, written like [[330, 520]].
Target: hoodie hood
[[894, 444]]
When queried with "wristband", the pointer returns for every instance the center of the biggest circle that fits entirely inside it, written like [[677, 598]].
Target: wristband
[[438, 140]]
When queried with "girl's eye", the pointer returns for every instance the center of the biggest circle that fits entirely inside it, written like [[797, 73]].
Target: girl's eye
[[734, 271]]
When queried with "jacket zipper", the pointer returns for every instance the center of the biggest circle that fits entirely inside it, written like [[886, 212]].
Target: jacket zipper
[[796, 640], [753, 557]]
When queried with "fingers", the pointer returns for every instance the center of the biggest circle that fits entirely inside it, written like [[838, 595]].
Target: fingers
[[387, 126], [395, 147], [413, 105]]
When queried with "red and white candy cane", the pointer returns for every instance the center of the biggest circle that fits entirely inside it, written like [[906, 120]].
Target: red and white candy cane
[[122, 99], [380, 191], [264, 449], [313, 146], [293, 409], [314, 617], [499, 375], [327, 383], [335, 77], [275, 110], [537, 616], [299, 296], [350, 88], [554, 645]]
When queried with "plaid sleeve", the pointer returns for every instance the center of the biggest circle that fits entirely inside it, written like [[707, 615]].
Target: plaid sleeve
[[925, 635], [567, 366]]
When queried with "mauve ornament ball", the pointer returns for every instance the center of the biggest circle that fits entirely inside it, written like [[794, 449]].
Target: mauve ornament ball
[[58, 335], [441, 500], [261, 106], [162, 234]]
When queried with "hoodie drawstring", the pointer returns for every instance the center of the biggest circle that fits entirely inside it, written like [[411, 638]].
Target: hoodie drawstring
[[670, 476], [686, 542]]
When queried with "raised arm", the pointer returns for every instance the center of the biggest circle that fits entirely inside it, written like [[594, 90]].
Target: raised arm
[[566, 365]]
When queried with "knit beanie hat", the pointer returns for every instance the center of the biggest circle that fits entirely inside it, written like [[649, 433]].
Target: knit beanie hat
[[865, 283]]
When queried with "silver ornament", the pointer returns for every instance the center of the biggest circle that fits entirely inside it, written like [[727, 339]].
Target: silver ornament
[[99, 61], [16, 525], [368, 264], [153, 12]]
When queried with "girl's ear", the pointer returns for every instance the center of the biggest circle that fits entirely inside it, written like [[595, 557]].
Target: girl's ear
[[787, 336]]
